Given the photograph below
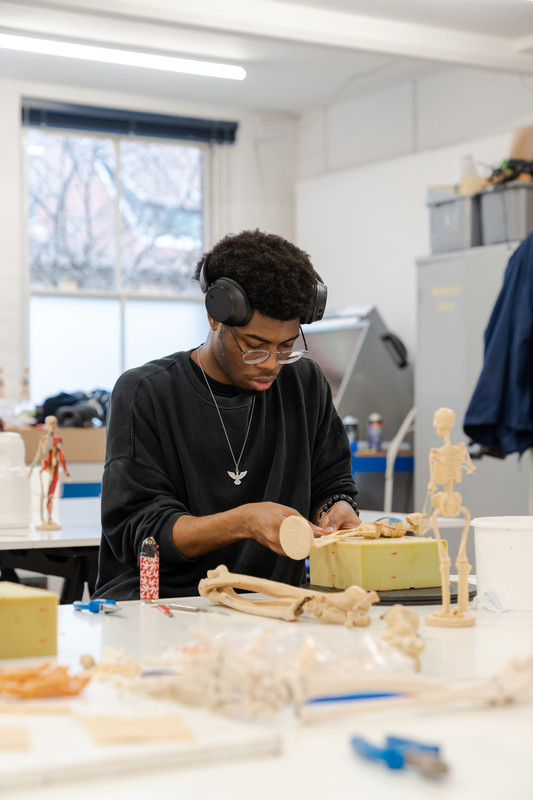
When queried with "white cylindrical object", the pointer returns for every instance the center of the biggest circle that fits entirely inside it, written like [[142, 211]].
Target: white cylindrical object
[[465, 165], [15, 503], [504, 559]]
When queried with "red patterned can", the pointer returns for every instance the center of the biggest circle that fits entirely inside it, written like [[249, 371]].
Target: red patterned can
[[149, 568]]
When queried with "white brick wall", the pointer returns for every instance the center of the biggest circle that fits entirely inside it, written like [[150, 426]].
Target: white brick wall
[[12, 294]]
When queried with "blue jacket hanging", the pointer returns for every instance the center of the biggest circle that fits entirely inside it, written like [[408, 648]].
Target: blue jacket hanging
[[500, 412]]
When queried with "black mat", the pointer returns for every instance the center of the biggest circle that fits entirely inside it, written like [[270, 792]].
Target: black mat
[[431, 595]]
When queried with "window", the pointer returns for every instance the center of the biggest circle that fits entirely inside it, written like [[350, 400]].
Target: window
[[116, 225]]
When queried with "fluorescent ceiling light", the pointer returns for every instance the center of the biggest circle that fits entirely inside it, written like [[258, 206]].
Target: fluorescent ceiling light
[[127, 58]]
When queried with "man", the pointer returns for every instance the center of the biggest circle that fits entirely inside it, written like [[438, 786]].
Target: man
[[209, 450]]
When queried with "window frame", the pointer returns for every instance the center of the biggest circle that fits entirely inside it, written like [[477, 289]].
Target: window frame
[[119, 294]]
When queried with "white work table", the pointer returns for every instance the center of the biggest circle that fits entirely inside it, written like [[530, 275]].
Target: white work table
[[488, 750], [70, 552], [80, 526]]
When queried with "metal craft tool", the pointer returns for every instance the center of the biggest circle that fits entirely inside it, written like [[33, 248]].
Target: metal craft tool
[[194, 609]]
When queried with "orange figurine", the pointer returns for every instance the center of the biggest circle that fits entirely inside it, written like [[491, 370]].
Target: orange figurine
[[50, 455]]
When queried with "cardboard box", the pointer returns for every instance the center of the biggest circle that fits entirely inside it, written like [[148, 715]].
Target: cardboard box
[[80, 445]]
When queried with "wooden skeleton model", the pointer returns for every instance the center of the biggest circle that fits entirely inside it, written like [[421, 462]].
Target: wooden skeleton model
[[349, 607], [297, 538], [231, 681], [446, 464]]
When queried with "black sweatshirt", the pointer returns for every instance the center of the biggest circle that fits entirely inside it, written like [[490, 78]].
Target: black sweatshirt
[[167, 455]]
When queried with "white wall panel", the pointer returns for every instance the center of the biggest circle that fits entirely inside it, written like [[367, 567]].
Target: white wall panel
[[12, 298], [459, 105], [365, 227], [359, 133], [443, 109]]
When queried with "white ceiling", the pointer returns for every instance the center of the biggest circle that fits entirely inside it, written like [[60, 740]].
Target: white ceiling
[[298, 55]]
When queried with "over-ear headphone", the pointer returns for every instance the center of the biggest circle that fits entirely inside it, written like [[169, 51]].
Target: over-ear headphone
[[227, 302]]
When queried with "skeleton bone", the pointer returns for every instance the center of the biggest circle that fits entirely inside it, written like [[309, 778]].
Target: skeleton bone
[[349, 607], [512, 683], [366, 530], [402, 631], [297, 538]]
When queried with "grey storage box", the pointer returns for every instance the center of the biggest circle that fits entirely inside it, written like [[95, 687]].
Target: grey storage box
[[454, 223], [507, 212]]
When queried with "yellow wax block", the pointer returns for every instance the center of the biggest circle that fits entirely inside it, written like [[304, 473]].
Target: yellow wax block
[[28, 621], [377, 564]]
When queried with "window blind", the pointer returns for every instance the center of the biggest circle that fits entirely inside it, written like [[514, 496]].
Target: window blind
[[69, 116]]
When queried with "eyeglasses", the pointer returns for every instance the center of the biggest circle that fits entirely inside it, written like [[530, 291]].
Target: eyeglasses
[[258, 356]]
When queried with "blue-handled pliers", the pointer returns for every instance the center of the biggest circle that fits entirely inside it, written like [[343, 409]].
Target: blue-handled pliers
[[399, 753], [95, 606]]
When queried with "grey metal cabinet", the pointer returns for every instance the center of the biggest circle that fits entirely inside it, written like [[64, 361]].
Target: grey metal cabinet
[[456, 295]]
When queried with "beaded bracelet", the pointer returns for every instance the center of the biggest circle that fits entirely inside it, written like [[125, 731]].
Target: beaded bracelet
[[338, 498]]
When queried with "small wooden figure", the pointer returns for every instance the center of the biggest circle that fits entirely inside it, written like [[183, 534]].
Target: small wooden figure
[[445, 468], [50, 455]]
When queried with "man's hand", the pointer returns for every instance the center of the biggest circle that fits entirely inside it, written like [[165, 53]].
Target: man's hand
[[196, 536], [264, 522], [340, 517]]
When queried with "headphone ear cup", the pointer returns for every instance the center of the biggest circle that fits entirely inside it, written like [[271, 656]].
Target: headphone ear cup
[[203, 280], [318, 306], [226, 302]]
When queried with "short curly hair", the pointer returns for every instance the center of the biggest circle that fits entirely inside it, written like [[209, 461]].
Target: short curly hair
[[277, 276]]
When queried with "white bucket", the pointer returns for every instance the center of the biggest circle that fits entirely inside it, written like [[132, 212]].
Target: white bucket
[[504, 559]]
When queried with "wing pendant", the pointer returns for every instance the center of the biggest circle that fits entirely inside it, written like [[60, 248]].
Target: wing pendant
[[237, 476]]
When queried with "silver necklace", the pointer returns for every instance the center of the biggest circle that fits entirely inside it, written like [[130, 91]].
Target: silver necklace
[[236, 476]]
